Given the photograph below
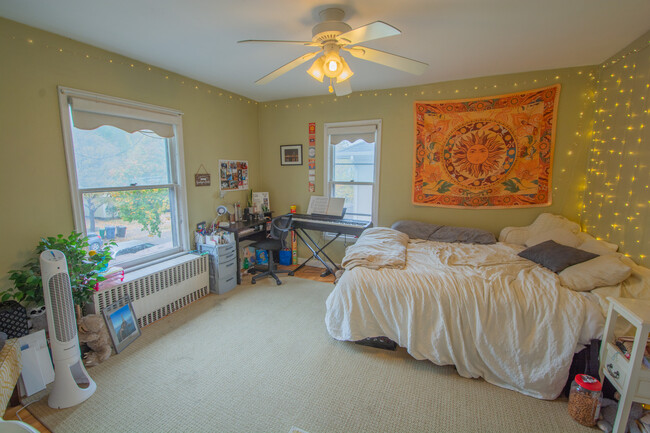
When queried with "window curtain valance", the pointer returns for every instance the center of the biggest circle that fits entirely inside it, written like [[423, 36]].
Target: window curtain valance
[[352, 133], [91, 114]]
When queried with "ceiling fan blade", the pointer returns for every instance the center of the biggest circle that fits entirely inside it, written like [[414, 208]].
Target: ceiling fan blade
[[306, 43], [343, 88], [387, 59], [286, 68], [376, 30]]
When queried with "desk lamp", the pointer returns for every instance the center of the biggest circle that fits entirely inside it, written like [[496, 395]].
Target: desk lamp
[[221, 210]]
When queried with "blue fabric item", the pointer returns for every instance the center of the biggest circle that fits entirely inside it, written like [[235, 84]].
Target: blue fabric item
[[285, 257]]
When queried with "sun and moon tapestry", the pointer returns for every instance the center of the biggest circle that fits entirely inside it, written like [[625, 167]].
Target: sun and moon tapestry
[[486, 153]]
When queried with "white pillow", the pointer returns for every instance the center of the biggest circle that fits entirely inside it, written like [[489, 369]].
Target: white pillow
[[548, 221], [560, 236], [514, 235], [593, 245], [606, 270]]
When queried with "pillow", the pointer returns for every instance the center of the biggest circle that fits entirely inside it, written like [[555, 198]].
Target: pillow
[[554, 256], [438, 233], [593, 245], [415, 229], [560, 236], [544, 223], [547, 221], [463, 235], [514, 235], [598, 272]]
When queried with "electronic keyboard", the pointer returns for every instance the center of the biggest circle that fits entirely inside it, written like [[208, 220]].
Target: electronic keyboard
[[329, 224]]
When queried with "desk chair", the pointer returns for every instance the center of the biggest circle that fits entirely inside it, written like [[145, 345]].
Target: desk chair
[[280, 228]]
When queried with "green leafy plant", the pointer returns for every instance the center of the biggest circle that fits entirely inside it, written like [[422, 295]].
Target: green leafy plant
[[84, 268]]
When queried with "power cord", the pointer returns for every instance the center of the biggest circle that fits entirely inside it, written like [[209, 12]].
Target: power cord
[[25, 406]]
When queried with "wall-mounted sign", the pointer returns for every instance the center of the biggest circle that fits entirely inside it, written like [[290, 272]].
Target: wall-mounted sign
[[202, 179]]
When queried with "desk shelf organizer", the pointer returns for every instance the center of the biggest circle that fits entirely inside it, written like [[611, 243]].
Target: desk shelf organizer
[[629, 376], [223, 265]]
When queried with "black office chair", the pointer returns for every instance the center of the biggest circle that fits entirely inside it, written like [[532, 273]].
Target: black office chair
[[280, 228]]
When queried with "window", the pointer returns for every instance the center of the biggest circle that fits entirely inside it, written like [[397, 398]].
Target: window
[[126, 175], [352, 161]]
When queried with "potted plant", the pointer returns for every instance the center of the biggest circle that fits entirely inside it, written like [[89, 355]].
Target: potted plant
[[84, 268]]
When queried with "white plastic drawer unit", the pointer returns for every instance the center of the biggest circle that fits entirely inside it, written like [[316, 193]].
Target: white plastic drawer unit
[[223, 266], [227, 268], [226, 284], [227, 252]]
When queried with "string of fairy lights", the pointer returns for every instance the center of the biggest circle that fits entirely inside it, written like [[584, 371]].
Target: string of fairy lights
[[611, 187], [96, 55], [616, 204]]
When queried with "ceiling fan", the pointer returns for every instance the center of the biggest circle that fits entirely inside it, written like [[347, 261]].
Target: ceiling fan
[[332, 35]]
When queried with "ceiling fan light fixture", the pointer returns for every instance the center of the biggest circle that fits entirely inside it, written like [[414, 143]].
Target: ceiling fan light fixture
[[333, 65], [316, 69], [346, 72]]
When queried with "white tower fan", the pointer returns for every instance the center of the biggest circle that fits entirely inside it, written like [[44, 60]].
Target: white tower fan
[[72, 385]]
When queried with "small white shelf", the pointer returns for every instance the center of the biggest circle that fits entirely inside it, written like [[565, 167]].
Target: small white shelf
[[629, 376]]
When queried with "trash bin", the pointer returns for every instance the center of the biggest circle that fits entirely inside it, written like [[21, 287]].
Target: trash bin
[[110, 232], [121, 231], [102, 233]]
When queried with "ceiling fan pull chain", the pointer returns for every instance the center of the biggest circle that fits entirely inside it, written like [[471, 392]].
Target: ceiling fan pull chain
[[330, 88]]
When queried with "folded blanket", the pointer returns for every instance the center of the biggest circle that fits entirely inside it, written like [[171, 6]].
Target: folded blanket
[[377, 247]]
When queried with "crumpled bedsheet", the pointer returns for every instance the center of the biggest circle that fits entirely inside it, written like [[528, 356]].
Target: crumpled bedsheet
[[482, 308]]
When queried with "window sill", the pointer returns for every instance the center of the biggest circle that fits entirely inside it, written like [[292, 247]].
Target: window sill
[[155, 261]]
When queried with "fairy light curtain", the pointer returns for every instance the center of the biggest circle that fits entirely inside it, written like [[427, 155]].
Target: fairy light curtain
[[494, 152], [617, 195]]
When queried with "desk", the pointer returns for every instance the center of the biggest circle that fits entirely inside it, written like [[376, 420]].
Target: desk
[[252, 229]]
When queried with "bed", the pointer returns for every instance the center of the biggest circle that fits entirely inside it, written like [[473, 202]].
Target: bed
[[480, 307]]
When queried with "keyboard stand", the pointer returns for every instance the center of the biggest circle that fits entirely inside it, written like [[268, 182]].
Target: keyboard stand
[[315, 254]]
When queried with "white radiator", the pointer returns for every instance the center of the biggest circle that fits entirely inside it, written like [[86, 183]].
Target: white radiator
[[159, 290]]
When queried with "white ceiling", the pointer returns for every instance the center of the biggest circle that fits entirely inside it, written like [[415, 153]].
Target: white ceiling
[[457, 38]]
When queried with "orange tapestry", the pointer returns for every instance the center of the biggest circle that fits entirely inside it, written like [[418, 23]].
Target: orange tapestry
[[494, 152]]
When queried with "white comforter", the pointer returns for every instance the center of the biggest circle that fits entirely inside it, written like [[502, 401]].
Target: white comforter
[[482, 308]]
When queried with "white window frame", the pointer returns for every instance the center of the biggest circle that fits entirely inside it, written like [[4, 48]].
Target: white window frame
[[176, 167], [329, 161]]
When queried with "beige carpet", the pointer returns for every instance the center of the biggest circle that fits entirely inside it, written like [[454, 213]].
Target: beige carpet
[[260, 360]]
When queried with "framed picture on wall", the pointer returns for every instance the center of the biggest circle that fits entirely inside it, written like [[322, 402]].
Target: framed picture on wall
[[291, 154]]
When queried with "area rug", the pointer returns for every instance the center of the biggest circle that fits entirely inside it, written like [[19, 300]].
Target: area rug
[[259, 359], [494, 152]]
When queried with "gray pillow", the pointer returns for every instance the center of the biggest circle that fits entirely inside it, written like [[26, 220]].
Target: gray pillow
[[438, 233], [415, 229], [556, 257], [463, 235]]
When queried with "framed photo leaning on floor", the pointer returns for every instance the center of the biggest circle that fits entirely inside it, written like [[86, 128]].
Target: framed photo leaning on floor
[[121, 323]]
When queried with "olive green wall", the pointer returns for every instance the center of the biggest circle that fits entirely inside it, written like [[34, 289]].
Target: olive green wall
[[617, 198], [33, 175], [221, 125], [286, 122]]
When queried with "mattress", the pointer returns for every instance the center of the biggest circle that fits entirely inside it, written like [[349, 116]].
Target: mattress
[[481, 308]]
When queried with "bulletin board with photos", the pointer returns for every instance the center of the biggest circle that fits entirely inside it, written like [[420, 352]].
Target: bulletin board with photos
[[233, 175]]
